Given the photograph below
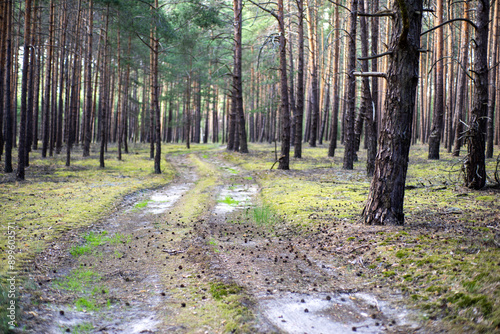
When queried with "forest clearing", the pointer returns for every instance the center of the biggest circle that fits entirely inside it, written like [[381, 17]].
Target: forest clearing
[[213, 166]]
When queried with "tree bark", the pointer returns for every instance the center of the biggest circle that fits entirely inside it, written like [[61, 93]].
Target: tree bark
[[336, 94], [475, 169], [8, 92], [300, 82], [24, 93], [492, 103], [349, 140], [386, 196], [48, 79], [462, 86], [314, 96], [437, 119]]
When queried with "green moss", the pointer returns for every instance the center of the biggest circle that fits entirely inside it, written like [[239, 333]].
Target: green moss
[[400, 254], [229, 200], [83, 328], [79, 280], [84, 304], [220, 290], [55, 198], [389, 273], [142, 205], [485, 198]]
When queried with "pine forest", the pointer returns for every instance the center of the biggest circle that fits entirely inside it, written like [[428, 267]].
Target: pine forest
[[248, 166]]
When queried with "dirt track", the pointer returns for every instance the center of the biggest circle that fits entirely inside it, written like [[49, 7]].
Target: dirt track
[[192, 235]]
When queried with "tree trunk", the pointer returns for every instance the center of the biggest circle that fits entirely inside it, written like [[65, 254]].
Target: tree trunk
[[437, 119], [475, 169], [284, 159], [493, 81], [48, 79], [75, 89], [8, 96], [369, 105], [243, 146], [349, 141], [386, 196], [462, 86], [88, 83], [336, 94], [300, 82], [314, 97], [3, 37], [24, 93], [103, 108]]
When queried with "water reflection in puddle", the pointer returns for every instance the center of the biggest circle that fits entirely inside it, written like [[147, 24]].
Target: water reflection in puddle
[[162, 200], [339, 313], [235, 197]]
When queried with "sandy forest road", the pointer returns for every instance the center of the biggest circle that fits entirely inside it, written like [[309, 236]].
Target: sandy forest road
[[190, 258]]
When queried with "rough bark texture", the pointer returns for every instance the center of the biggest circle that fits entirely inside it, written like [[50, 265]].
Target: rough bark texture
[[238, 89], [437, 119], [492, 103], [336, 95], [300, 82], [48, 79], [349, 140], [284, 160], [462, 86], [475, 171], [385, 200], [24, 93], [8, 107], [369, 105]]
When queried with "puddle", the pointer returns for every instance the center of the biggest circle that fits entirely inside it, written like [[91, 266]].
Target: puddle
[[164, 199], [334, 313], [235, 197]]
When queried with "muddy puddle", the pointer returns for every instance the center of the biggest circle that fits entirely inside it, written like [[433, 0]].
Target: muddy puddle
[[235, 197], [297, 313], [162, 200]]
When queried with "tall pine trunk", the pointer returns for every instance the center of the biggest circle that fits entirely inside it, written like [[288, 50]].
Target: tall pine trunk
[[475, 169], [386, 196], [437, 119], [349, 140]]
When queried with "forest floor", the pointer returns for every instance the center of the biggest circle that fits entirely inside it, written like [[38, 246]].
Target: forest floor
[[224, 244]]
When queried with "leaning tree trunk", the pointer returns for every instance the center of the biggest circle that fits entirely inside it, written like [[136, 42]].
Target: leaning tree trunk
[[475, 169], [385, 200]]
